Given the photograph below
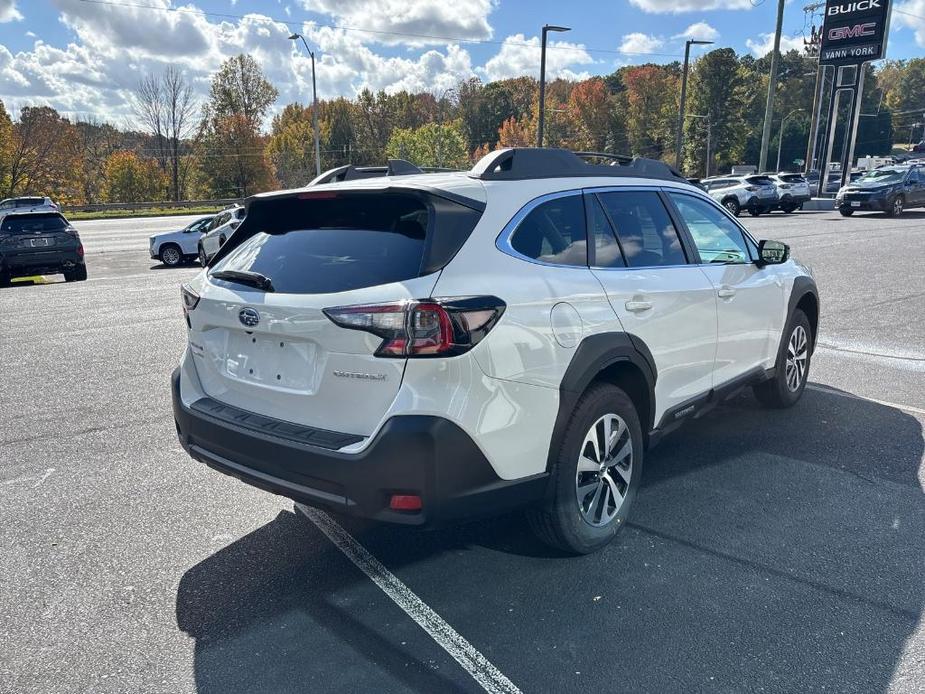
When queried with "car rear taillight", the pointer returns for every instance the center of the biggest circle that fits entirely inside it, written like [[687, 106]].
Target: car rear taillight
[[425, 328], [80, 250]]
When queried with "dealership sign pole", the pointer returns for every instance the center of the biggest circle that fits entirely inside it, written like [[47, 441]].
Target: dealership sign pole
[[854, 33]]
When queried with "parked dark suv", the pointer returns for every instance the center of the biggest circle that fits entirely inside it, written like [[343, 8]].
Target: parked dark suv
[[889, 189], [40, 243]]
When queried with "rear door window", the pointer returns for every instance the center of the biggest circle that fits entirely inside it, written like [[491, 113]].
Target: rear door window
[[554, 232], [645, 231], [320, 243]]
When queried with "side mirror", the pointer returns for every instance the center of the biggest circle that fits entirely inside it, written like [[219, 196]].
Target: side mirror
[[772, 253]]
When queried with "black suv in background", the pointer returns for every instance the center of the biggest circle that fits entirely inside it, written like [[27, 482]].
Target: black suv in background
[[40, 243], [889, 189]]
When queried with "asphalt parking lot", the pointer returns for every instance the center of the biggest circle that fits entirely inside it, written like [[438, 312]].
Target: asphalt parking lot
[[773, 551]]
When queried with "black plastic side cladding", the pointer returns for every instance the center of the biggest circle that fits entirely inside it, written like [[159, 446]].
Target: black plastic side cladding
[[801, 287], [594, 354]]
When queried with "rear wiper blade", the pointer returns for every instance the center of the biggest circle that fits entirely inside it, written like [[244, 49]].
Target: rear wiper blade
[[254, 279]]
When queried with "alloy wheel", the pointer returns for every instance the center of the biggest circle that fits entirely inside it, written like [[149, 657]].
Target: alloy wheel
[[170, 256], [605, 468], [797, 351], [898, 206]]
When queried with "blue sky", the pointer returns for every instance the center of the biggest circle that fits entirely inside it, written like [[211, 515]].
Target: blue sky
[[85, 56]]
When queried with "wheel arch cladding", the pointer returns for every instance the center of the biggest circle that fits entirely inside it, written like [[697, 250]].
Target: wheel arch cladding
[[805, 297], [618, 358]]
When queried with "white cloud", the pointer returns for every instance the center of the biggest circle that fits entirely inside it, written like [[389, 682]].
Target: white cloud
[[680, 6], [640, 43], [387, 19], [700, 31], [764, 44], [8, 11], [911, 14], [521, 56]]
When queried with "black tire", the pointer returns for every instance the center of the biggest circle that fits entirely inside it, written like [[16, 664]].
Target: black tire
[[754, 211], [171, 255], [559, 522], [78, 274], [5, 278], [787, 207], [733, 206], [897, 205], [845, 212], [203, 258], [776, 392]]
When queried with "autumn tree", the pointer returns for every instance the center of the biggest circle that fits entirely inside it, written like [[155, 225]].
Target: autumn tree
[[516, 133], [96, 141], [651, 96], [130, 178], [591, 112], [239, 99], [6, 146], [43, 156]]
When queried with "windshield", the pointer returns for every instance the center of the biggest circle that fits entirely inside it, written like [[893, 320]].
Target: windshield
[[884, 176], [31, 224]]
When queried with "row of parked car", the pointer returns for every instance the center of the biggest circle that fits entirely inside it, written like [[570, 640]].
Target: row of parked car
[[759, 193], [197, 241]]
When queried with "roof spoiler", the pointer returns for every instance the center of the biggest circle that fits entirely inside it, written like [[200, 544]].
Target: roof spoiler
[[350, 172], [524, 163]]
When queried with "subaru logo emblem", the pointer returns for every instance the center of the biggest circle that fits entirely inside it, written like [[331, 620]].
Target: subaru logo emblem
[[248, 317]]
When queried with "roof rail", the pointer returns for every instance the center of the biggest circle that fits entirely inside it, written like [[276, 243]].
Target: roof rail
[[350, 172], [524, 163]]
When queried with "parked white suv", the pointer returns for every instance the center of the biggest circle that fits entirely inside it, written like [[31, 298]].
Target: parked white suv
[[755, 193], [218, 231], [175, 247], [449, 345], [792, 189]]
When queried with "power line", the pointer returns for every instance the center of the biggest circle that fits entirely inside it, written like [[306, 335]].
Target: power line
[[289, 22]]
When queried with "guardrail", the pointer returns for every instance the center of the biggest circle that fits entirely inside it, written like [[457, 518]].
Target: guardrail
[[102, 207]]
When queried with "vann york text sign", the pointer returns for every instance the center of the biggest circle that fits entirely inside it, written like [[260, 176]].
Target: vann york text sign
[[854, 32]]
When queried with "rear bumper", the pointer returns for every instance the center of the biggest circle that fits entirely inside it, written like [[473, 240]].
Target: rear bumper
[[39, 262], [423, 455]]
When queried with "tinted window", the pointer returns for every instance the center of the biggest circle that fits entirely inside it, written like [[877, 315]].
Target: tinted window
[[28, 224], [554, 232], [29, 202], [717, 238], [607, 252], [760, 181], [792, 178], [338, 242], [644, 229], [219, 220]]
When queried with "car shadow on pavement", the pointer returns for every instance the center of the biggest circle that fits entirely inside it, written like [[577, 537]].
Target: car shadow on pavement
[[769, 549]]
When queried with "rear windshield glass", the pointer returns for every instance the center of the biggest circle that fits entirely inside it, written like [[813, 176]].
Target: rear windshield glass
[[333, 242], [33, 223], [29, 202], [792, 178], [760, 180]]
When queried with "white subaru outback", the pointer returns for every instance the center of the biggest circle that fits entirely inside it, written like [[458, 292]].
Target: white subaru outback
[[424, 348]]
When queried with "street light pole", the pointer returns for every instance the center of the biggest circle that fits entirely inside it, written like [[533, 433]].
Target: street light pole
[[772, 90], [679, 134], [780, 138], [542, 116], [314, 105]]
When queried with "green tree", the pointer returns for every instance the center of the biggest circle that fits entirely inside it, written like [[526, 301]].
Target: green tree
[[432, 144], [291, 146], [239, 88], [6, 146], [712, 93]]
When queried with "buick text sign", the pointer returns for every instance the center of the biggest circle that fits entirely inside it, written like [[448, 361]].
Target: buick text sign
[[854, 32]]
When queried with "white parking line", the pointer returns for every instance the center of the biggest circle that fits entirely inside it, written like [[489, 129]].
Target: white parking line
[[831, 391], [482, 671]]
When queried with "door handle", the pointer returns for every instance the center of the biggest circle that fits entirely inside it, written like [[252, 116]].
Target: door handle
[[725, 292], [638, 306]]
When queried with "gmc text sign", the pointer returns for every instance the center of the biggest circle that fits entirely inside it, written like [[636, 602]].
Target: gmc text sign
[[854, 32]]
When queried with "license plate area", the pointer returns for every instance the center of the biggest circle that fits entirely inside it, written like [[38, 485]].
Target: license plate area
[[40, 243], [275, 362], [855, 203]]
